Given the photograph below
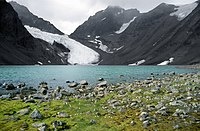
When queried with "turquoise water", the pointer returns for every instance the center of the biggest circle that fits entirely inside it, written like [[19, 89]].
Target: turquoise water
[[58, 75]]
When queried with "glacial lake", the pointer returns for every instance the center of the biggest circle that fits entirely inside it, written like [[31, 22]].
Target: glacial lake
[[58, 75]]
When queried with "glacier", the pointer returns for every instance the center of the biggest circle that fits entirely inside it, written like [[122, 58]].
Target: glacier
[[79, 54]]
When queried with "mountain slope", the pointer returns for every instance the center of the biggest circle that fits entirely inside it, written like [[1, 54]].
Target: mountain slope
[[17, 46], [168, 34], [32, 20]]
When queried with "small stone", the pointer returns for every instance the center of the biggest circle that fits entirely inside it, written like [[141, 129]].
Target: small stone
[[43, 128], [143, 116], [63, 115], [24, 111], [100, 79], [176, 127], [83, 82], [36, 125], [132, 123], [74, 84], [92, 121], [56, 123], [145, 123], [36, 114], [24, 125]]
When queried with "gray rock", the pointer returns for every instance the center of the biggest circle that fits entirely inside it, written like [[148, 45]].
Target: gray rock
[[21, 85], [43, 91], [83, 82], [24, 111], [36, 125], [179, 112], [30, 101], [163, 111], [27, 91], [155, 90], [103, 83], [43, 85], [143, 116], [146, 123], [63, 115], [5, 96], [93, 121], [36, 114], [66, 93], [74, 84], [43, 128], [100, 79], [132, 123], [10, 87], [56, 123]]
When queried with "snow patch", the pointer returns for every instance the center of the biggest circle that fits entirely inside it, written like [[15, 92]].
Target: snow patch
[[125, 26], [103, 19], [184, 10], [40, 63], [79, 54], [101, 46], [119, 48], [137, 63], [167, 61]]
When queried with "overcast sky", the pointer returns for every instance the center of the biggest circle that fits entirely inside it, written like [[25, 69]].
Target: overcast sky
[[67, 15]]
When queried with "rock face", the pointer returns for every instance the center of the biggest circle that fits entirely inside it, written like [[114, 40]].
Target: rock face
[[32, 20], [17, 46], [105, 22], [158, 36]]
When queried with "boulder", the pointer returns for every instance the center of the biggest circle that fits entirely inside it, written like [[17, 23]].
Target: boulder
[[74, 84], [83, 82], [10, 87], [43, 91], [36, 114], [24, 111], [63, 115], [103, 83]]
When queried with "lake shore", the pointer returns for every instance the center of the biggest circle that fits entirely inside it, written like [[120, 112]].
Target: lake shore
[[170, 102]]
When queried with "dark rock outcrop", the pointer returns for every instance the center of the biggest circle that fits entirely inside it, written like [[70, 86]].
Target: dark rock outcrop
[[32, 20], [17, 46]]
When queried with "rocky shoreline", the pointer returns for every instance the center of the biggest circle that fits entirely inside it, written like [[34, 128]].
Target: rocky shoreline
[[168, 103]]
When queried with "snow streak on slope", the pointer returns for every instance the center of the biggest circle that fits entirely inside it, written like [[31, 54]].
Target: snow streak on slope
[[167, 62], [79, 54], [184, 10], [124, 26]]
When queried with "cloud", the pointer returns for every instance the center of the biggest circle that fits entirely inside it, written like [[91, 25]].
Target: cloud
[[67, 15]]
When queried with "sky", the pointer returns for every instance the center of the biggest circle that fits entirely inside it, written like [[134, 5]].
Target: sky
[[67, 15]]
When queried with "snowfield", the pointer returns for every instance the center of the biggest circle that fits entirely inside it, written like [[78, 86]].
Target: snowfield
[[138, 63], [167, 61], [79, 54], [184, 10], [125, 26]]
